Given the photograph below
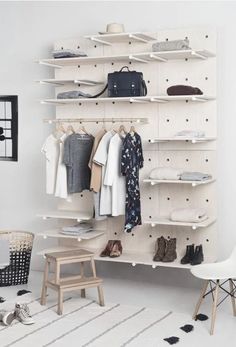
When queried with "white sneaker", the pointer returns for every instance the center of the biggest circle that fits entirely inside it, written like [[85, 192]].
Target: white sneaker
[[7, 317], [22, 313]]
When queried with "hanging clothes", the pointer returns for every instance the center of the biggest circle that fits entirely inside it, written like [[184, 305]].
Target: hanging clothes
[[113, 177], [50, 149], [96, 176], [131, 162], [77, 151], [61, 179], [100, 158]]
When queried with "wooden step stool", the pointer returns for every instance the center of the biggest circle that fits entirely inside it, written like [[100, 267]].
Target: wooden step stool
[[71, 283]]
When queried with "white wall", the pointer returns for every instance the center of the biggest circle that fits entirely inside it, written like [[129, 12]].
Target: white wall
[[27, 32]]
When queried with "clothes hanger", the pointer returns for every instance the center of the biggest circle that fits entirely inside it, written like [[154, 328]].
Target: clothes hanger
[[82, 130], [122, 130], [132, 130], [70, 130]]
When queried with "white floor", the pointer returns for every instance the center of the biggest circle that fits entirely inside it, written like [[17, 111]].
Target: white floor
[[139, 293]]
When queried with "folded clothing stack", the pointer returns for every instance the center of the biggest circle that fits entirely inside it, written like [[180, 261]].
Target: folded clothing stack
[[190, 133], [183, 90], [188, 215], [77, 229], [67, 53], [174, 45], [195, 176], [73, 94], [166, 173]]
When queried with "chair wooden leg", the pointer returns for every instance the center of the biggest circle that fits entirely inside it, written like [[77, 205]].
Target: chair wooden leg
[[93, 268], [44, 285], [101, 296], [203, 291], [214, 307], [231, 287], [60, 302]]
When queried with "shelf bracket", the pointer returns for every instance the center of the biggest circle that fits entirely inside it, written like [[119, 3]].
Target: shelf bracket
[[50, 64], [198, 55], [100, 41], [132, 57], [137, 38], [156, 57]]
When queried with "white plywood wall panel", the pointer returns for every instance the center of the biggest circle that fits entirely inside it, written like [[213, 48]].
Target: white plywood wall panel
[[165, 120]]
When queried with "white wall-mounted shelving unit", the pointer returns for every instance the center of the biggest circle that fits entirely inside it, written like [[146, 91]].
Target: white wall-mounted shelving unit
[[154, 182], [85, 236], [63, 214], [164, 116]]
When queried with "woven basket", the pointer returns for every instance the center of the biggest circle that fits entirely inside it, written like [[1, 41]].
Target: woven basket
[[20, 244]]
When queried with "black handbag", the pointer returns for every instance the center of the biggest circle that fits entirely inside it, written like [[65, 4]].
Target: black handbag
[[124, 84]]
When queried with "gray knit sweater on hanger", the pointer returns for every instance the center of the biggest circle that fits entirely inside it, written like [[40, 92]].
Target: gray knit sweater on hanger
[[77, 150]]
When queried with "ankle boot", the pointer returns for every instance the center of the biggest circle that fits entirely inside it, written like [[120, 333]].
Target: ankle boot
[[116, 249], [188, 257], [170, 254], [107, 250], [160, 249], [198, 256]]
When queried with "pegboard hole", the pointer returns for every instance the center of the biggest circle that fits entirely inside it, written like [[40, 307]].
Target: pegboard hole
[[207, 240], [150, 217], [115, 233], [112, 63], [81, 195], [206, 160], [113, 102], [186, 59], [186, 101], [130, 62], [167, 39], [167, 120], [186, 119], [167, 80], [78, 47], [62, 47], [95, 65], [186, 37], [96, 103], [186, 159], [206, 78], [207, 120], [130, 42], [167, 159], [206, 36], [168, 237], [148, 81], [168, 198], [187, 199], [207, 200], [150, 198], [80, 104], [132, 234], [187, 238], [78, 66], [186, 79], [150, 236], [149, 159], [95, 46]]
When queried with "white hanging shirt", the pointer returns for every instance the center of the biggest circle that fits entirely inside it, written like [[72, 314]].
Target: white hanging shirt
[[100, 158], [51, 150], [113, 177], [61, 179]]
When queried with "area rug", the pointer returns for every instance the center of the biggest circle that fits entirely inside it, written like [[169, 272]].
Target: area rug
[[85, 323]]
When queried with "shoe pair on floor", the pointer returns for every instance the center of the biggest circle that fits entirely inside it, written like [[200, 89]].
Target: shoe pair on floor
[[193, 256], [113, 249], [21, 313], [165, 250]]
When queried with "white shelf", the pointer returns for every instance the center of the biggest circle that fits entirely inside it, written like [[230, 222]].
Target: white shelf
[[85, 236], [139, 120], [165, 221], [60, 82], [137, 99], [181, 139], [144, 57], [79, 216], [109, 39], [153, 182]]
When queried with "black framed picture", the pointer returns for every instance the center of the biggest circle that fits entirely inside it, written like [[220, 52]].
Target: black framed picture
[[9, 127]]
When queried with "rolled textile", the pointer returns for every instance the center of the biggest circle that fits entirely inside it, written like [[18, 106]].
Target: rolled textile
[[190, 133], [183, 90], [166, 173], [188, 215], [73, 94], [195, 176], [67, 53], [174, 45]]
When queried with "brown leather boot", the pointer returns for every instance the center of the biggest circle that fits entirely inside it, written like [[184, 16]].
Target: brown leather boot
[[116, 249], [107, 250], [170, 254], [160, 249]]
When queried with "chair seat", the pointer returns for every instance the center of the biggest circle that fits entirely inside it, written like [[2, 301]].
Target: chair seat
[[216, 271]]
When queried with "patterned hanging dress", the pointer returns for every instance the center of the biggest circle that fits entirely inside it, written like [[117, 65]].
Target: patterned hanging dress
[[131, 162]]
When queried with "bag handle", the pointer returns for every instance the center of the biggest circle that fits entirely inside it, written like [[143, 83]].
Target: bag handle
[[124, 67]]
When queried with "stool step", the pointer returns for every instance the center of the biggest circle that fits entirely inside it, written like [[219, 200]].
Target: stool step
[[80, 253], [82, 282]]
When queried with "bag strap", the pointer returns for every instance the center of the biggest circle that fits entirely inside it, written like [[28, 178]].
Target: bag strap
[[100, 93], [124, 67]]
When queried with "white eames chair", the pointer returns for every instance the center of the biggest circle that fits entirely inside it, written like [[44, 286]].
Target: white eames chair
[[216, 275]]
